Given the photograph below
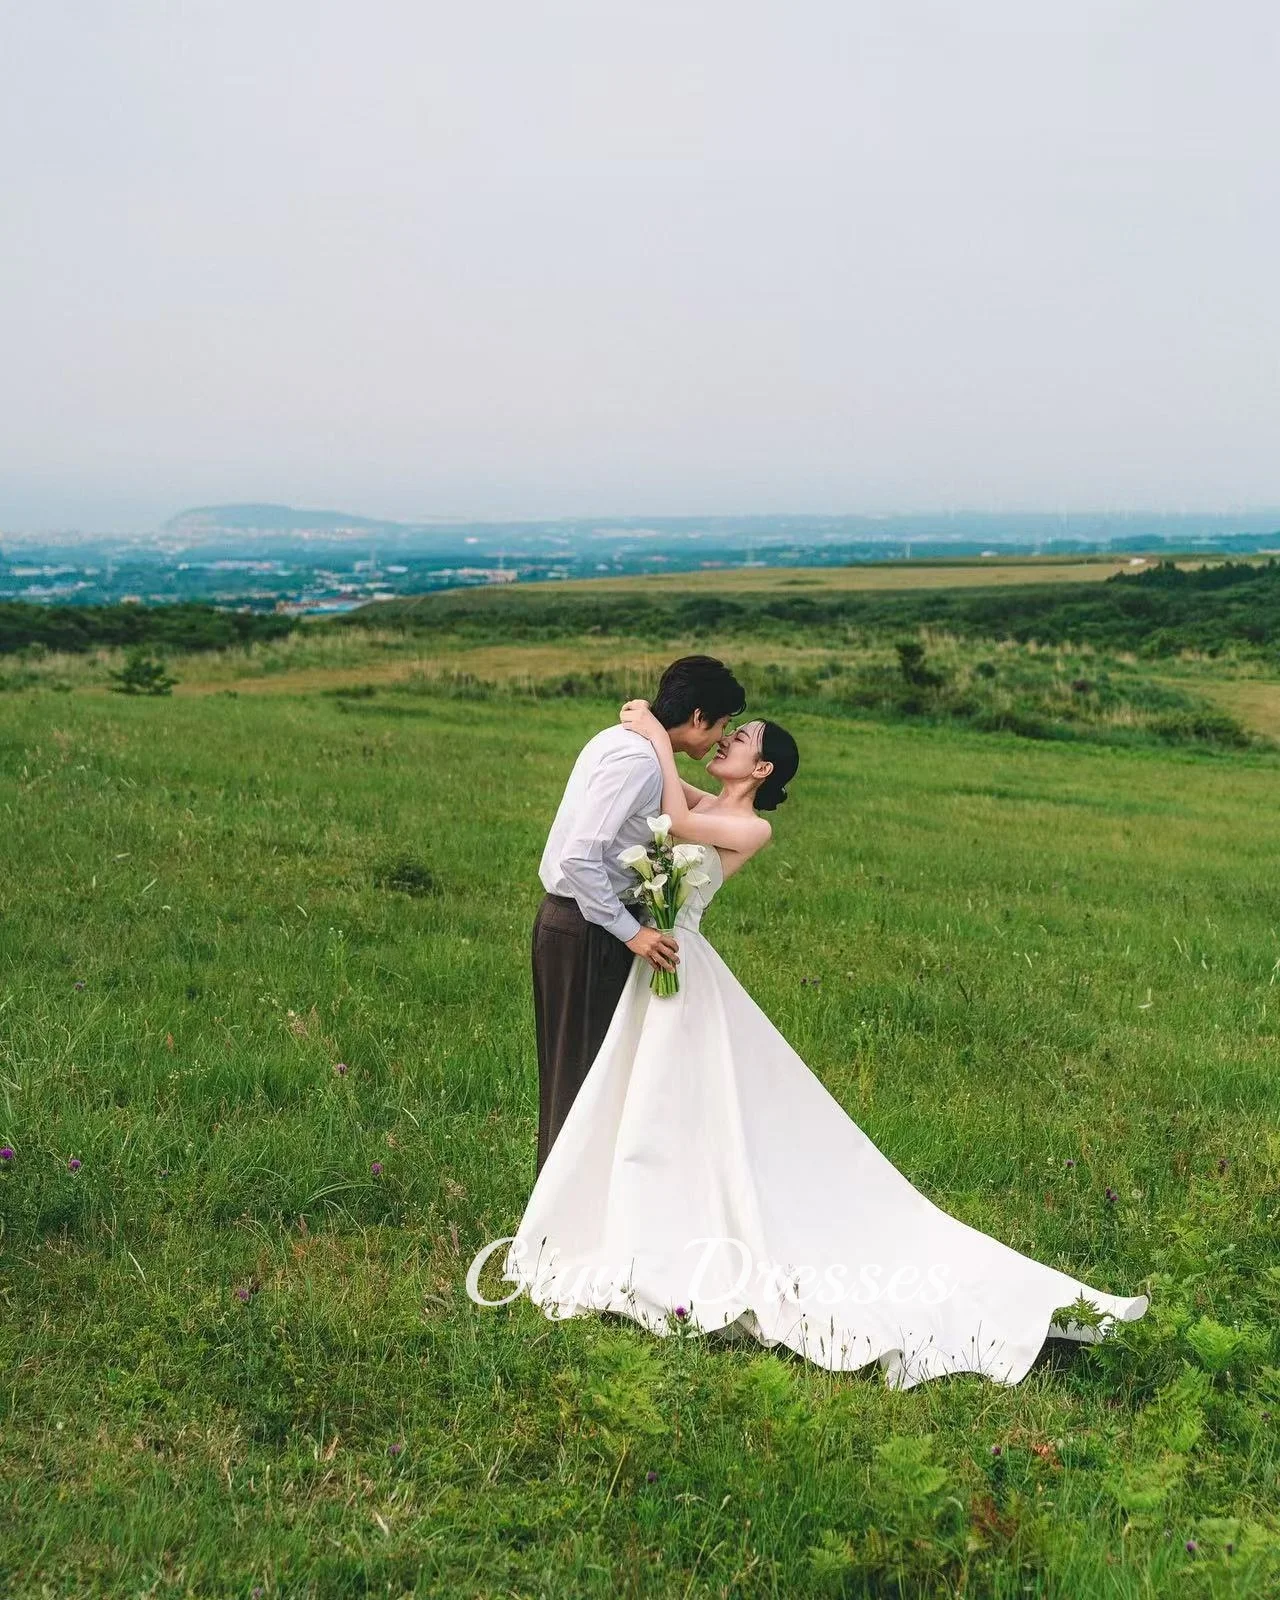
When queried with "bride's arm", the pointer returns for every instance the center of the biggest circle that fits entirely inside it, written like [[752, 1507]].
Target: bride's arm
[[746, 834], [692, 794]]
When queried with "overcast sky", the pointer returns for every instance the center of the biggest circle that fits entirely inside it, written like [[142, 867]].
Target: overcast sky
[[533, 257]]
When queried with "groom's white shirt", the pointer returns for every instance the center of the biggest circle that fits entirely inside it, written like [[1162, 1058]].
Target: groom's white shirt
[[615, 784]]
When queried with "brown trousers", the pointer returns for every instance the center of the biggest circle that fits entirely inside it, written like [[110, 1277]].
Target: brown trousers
[[579, 972]]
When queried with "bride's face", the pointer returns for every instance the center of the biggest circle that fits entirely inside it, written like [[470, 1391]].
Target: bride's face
[[738, 753]]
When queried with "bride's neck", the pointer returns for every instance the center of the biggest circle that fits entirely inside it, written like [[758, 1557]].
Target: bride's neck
[[736, 794]]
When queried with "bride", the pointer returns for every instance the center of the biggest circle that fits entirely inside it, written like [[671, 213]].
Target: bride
[[705, 1177]]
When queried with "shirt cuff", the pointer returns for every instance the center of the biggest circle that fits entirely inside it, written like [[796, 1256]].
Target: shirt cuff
[[624, 926]]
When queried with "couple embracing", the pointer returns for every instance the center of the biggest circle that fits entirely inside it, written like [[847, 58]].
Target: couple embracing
[[692, 1170]]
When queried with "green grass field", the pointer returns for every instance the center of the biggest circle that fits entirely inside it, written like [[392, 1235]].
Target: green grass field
[[965, 572], [238, 1361]]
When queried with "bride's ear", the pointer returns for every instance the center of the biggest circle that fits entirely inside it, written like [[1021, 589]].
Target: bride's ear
[[762, 770]]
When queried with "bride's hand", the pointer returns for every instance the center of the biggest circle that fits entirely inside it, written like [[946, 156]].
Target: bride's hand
[[637, 716]]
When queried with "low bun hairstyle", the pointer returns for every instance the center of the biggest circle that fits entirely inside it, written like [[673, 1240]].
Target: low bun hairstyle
[[777, 746]]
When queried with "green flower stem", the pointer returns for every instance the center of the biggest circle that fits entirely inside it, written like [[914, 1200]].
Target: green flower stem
[[664, 917]]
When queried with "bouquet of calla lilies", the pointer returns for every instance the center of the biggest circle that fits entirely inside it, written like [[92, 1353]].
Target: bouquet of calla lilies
[[666, 873]]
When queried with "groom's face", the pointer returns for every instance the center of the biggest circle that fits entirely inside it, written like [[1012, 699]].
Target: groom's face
[[705, 735]]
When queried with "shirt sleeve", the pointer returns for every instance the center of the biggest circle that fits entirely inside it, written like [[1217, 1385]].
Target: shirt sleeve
[[617, 789]]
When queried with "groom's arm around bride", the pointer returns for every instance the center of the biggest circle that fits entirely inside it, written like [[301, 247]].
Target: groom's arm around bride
[[584, 938]]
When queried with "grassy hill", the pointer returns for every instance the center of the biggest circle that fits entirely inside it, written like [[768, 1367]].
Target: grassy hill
[[962, 572], [1041, 976]]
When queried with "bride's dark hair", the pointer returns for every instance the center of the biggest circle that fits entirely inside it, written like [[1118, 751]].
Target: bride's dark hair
[[776, 745]]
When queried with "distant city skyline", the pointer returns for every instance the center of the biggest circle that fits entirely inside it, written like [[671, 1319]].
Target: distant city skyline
[[427, 262]]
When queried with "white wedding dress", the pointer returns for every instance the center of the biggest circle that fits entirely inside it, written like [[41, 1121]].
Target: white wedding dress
[[704, 1175]]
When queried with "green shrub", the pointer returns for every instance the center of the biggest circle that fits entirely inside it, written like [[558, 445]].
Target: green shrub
[[184, 626], [141, 674]]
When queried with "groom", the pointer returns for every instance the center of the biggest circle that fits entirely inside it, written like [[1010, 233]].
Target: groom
[[583, 936]]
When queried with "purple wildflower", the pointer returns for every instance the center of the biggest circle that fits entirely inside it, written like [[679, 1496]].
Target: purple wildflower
[[74, 1164], [681, 1313], [651, 1476], [340, 1067], [79, 983], [242, 1294], [1192, 1547], [997, 1450], [6, 1153], [395, 1449], [376, 1169], [1111, 1195], [1223, 1164], [1070, 1162]]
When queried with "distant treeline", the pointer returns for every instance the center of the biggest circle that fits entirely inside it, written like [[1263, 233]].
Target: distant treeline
[[1160, 611], [1157, 612], [185, 626]]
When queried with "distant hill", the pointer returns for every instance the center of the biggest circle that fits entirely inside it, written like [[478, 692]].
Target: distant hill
[[919, 533], [273, 519]]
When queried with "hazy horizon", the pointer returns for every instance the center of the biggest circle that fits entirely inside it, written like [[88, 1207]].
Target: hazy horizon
[[842, 258]]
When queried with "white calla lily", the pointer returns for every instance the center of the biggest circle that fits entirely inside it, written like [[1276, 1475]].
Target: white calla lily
[[689, 881], [659, 827], [685, 855], [637, 858]]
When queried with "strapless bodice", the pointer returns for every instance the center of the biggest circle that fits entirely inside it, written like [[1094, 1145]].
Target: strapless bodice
[[690, 913]]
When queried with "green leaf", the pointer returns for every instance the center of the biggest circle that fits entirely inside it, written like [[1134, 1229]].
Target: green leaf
[[906, 1470], [1214, 1344], [832, 1558], [1146, 1486]]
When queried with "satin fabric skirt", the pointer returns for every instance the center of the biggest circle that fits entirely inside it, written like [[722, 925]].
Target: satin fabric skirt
[[704, 1176]]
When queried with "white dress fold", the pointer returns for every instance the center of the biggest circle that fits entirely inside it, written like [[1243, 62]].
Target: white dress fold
[[704, 1175]]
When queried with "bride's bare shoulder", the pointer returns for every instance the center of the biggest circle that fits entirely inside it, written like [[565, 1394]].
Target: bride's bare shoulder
[[732, 859], [761, 833]]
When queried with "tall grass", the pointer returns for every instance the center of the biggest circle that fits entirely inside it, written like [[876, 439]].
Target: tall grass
[[1036, 694]]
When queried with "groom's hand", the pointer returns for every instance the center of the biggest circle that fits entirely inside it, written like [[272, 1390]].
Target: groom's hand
[[657, 947]]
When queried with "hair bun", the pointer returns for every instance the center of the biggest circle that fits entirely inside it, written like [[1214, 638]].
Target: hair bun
[[778, 748]]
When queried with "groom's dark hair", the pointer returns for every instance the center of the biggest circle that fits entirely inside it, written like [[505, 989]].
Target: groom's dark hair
[[697, 683]]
